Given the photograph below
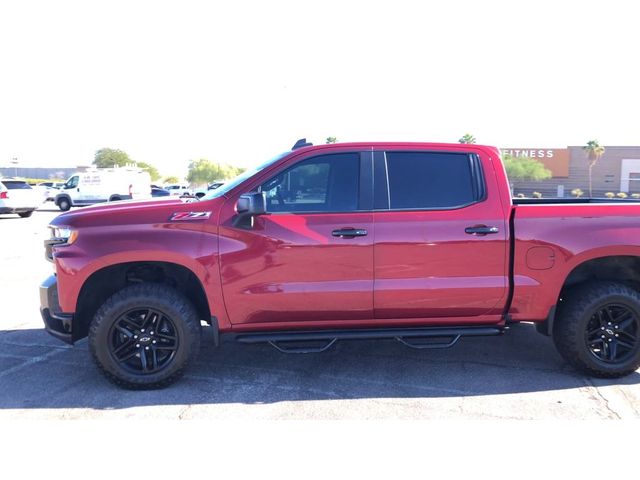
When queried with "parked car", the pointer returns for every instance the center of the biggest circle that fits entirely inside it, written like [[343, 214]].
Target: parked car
[[17, 196], [419, 242], [50, 189], [178, 189], [159, 192], [201, 192], [104, 185]]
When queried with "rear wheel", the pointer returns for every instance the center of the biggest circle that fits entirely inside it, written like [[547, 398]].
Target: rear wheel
[[26, 214], [145, 336], [64, 204], [598, 329]]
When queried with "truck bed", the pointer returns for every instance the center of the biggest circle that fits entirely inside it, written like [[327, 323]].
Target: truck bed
[[563, 201]]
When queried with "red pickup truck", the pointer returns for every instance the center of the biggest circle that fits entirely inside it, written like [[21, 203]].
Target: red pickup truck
[[420, 242]]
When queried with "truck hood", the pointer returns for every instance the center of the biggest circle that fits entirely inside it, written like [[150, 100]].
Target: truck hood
[[130, 212]]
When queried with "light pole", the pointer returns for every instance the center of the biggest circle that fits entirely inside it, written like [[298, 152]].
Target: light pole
[[14, 160]]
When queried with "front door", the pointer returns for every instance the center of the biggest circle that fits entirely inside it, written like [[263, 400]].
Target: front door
[[309, 261]]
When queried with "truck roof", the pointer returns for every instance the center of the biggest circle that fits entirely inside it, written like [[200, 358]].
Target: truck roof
[[403, 145]]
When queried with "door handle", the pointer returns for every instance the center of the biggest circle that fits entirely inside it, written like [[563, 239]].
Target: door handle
[[481, 230], [349, 232]]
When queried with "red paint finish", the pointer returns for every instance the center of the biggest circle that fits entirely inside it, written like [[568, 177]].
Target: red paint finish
[[412, 268], [289, 268], [427, 266], [575, 234]]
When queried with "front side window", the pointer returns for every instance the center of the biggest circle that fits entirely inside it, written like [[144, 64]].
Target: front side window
[[72, 182], [429, 180], [328, 183]]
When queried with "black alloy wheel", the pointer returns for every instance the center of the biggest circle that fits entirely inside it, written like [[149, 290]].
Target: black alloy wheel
[[145, 336], [143, 340], [612, 333], [597, 328]]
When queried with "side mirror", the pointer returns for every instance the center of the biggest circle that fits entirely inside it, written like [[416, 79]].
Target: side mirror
[[250, 205]]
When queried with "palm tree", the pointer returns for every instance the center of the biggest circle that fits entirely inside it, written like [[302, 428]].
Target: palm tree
[[467, 138], [594, 151]]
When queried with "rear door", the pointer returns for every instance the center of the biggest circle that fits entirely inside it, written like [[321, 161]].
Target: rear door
[[309, 261], [440, 237]]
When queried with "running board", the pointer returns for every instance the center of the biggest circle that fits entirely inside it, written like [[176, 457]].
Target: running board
[[449, 335]]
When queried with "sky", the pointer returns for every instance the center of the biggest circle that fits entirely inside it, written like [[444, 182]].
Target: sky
[[240, 81]]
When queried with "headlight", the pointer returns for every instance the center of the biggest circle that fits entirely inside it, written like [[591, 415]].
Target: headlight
[[64, 233]]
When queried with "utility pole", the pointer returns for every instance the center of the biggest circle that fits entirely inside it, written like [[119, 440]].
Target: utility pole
[[14, 160]]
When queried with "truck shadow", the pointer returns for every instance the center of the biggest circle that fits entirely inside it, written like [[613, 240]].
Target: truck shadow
[[36, 371]]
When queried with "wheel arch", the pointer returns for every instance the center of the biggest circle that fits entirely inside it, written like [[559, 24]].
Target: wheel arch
[[624, 268], [104, 282]]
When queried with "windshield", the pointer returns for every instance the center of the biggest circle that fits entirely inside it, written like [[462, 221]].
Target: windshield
[[231, 184]]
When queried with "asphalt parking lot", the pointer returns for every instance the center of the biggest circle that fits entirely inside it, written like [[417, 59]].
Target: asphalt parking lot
[[517, 376]]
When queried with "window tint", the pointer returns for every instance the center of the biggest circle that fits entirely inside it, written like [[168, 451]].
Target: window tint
[[429, 180], [328, 183], [16, 185]]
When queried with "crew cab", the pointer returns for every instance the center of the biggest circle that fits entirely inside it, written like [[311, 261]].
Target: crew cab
[[420, 242]]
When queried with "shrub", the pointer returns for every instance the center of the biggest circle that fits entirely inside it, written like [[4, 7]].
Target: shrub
[[536, 195], [609, 194], [635, 195], [622, 195], [576, 192]]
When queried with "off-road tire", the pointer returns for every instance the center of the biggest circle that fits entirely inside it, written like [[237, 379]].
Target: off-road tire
[[64, 204], [575, 313], [26, 214], [161, 298]]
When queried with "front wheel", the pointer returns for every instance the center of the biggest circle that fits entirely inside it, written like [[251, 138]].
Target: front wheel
[[64, 204], [26, 214], [598, 329], [144, 336]]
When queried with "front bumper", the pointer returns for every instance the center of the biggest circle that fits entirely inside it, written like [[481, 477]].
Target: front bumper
[[58, 324]]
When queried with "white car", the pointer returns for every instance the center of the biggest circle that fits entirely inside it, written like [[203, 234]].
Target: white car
[[178, 189], [17, 196], [50, 189]]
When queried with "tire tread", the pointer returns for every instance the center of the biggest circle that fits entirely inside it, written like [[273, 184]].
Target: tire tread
[[164, 294]]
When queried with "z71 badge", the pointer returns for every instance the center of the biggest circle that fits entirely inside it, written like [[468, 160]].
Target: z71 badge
[[190, 216]]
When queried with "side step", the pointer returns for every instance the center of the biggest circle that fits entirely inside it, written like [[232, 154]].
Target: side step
[[426, 337]]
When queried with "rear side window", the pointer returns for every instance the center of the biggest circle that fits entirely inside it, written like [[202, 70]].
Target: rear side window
[[16, 185], [429, 180]]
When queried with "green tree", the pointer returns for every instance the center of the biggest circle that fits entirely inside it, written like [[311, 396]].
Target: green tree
[[153, 171], [171, 179], [594, 151], [111, 157], [524, 168], [331, 140], [467, 138], [204, 171]]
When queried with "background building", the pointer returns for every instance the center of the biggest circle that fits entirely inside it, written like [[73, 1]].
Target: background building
[[618, 170], [37, 172]]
